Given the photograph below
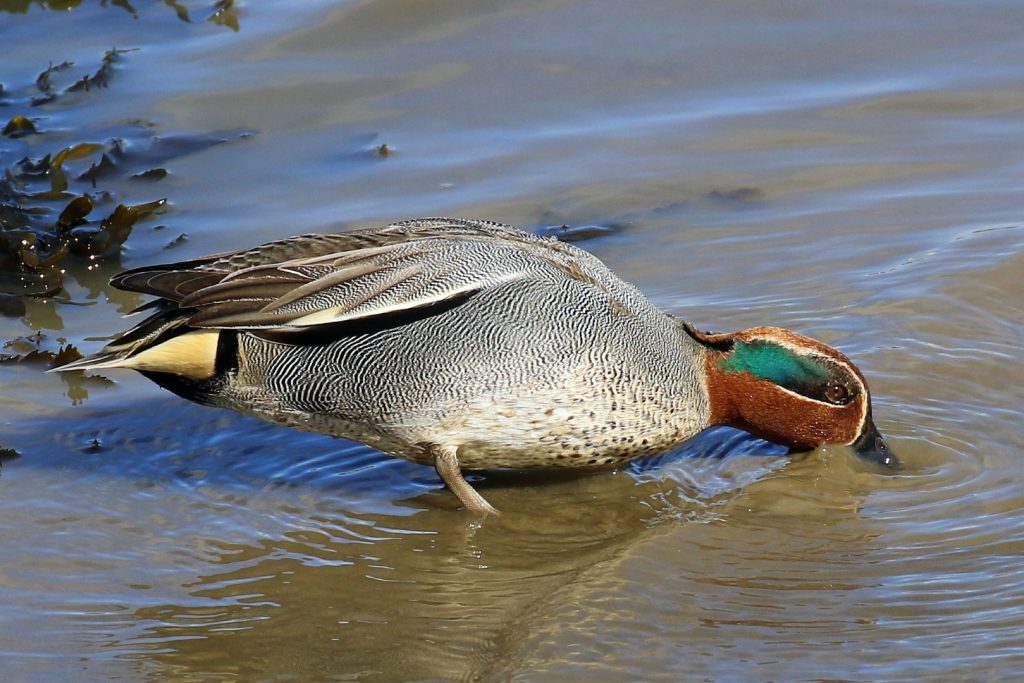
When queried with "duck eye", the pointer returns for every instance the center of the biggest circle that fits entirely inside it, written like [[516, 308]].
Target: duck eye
[[836, 393]]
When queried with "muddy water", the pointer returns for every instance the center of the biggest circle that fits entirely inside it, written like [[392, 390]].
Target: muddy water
[[850, 171]]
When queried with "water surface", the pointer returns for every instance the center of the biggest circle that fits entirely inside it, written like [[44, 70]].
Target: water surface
[[849, 171]]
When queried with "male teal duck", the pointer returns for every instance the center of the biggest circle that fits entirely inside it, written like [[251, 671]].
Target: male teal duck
[[471, 345]]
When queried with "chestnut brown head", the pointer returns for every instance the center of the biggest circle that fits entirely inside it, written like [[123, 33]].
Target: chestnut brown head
[[791, 390]]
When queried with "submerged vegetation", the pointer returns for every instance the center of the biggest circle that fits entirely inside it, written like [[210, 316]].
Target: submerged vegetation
[[65, 188], [222, 12], [59, 204], [62, 203]]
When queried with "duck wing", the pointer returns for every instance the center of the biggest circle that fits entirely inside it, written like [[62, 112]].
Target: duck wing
[[326, 279]]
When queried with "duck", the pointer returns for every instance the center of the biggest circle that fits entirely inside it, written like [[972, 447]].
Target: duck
[[471, 345]]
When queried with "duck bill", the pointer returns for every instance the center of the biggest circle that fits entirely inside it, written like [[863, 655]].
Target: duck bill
[[872, 447]]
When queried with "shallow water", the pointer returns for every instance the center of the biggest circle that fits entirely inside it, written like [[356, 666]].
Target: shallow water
[[852, 172]]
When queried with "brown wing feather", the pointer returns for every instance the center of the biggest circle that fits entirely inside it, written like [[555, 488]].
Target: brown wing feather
[[168, 284], [295, 291], [175, 281], [326, 278]]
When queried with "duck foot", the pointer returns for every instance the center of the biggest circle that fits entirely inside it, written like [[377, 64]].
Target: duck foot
[[446, 462]]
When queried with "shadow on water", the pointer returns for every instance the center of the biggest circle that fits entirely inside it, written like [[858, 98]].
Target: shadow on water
[[348, 551], [297, 553], [182, 444]]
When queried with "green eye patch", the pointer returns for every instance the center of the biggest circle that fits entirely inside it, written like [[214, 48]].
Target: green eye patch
[[776, 364]]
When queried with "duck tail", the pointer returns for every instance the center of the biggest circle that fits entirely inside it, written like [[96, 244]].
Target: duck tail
[[163, 342], [95, 361]]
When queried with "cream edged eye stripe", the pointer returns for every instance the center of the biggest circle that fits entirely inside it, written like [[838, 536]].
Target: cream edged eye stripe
[[807, 374], [859, 393]]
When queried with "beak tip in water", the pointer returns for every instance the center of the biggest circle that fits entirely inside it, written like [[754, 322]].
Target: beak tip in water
[[872, 447]]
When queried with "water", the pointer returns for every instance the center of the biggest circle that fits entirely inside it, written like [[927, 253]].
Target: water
[[850, 171]]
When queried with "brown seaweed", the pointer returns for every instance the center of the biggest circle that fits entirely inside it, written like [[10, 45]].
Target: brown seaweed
[[224, 11], [180, 239], [179, 9], [49, 223], [44, 83], [225, 14], [96, 169], [38, 348], [151, 174], [19, 126], [101, 77], [8, 454]]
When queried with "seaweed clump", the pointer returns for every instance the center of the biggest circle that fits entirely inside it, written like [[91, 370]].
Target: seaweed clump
[[41, 350], [59, 209], [33, 349], [6, 455], [223, 12]]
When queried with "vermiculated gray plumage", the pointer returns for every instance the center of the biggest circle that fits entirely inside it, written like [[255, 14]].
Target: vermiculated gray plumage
[[514, 350]]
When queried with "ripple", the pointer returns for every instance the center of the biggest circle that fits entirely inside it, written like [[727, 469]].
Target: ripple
[[845, 172]]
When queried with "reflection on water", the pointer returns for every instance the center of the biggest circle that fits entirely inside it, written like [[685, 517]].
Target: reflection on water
[[344, 547], [849, 172]]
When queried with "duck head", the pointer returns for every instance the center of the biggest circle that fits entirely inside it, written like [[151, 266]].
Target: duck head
[[791, 390]]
